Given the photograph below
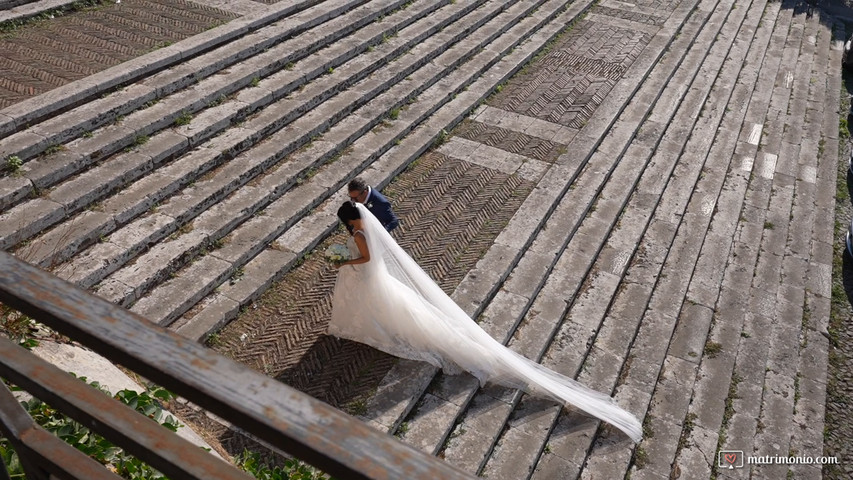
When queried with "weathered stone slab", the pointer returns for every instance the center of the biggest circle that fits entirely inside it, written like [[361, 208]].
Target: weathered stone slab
[[691, 333], [216, 311], [175, 296], [697, 458], [427, 427], [95, 184], [470, 442], [65, 239], [393, 398], [674, 390], [552, 466], [14, 188], [152, 267], [659, 449], [500, 317], [620, 325], [26, 219]]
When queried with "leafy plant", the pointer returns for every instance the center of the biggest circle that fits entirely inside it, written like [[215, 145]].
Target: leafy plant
[[18, 327], [252, 464], [184, 118], [54, 149], [92, 444], [440, 139], [13, 163]]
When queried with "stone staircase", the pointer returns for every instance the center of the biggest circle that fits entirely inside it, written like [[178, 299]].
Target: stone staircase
[[675, 253], [125, 194], [636, 245]]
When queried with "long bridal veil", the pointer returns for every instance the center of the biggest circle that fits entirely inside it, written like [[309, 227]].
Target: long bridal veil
[[391, 304]]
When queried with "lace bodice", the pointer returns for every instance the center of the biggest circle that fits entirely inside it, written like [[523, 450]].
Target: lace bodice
[[353, 248]]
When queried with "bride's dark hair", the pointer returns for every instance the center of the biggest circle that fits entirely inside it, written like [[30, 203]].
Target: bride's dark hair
[[347, 212]]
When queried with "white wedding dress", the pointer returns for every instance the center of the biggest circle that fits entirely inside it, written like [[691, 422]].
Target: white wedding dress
[[391, 304]]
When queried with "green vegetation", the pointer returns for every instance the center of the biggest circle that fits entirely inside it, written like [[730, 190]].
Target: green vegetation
[[440, 139], [251, 463], [183, 119], [13, 163], [17, 327], [712, 349], [149, 403], [92, 444], [54, 149]]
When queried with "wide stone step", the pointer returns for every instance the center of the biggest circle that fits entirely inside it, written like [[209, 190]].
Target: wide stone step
[[666, 414], [121, 208], [593, 344], [247, 241], [649, 359], [181, 65]]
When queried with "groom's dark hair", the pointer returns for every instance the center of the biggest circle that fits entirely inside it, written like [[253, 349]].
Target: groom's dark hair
[[348, 211], [357, 185]]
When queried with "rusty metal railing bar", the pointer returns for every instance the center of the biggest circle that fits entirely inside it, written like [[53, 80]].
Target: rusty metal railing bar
[[293, 421], [43, 455], [149, 441]]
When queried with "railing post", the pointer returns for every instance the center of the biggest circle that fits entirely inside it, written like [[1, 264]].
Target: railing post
[[15, 422], [43, 456]]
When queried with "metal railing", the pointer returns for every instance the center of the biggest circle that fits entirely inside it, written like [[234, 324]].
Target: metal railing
[[296, 423]]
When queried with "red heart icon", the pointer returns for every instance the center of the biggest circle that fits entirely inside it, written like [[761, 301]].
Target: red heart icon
[[731, 457]]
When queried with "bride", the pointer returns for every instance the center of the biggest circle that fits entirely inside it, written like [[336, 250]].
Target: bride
[[384, 299]]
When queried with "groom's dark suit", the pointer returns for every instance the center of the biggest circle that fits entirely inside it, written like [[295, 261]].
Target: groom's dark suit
[[380, 207]]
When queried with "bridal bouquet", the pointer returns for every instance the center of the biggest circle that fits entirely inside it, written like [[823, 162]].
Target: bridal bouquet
[[337, 253]]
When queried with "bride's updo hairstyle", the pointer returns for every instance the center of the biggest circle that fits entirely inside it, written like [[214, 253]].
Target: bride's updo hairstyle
[[348, 212]]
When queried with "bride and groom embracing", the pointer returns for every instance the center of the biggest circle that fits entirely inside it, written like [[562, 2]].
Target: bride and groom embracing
[[384, 299]]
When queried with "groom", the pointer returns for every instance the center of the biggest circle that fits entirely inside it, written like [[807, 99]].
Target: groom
[[379, 206]]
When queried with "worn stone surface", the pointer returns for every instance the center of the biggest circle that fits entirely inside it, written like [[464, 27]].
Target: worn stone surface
[[674, 246]]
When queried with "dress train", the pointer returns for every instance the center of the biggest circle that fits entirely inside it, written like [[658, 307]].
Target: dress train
[[391, 304]]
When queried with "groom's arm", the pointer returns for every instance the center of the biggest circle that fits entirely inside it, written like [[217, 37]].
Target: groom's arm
[[384, 212]]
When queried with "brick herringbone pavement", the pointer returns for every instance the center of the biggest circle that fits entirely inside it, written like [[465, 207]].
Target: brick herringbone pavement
[[451, 213], [50, 53]]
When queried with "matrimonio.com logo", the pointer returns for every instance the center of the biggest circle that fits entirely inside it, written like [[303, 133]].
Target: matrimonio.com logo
[[730, 459]]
